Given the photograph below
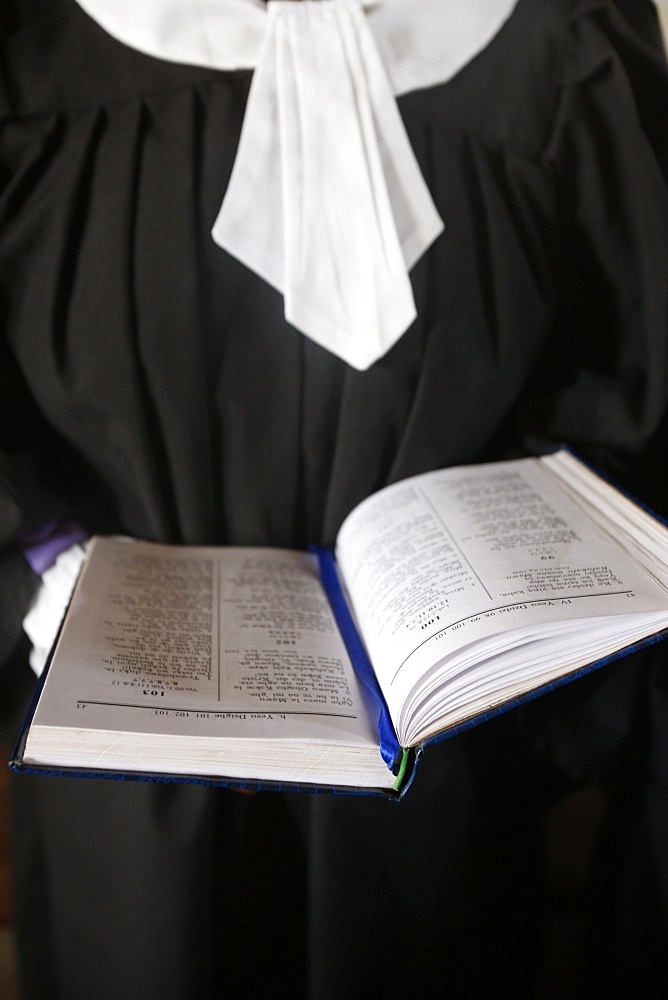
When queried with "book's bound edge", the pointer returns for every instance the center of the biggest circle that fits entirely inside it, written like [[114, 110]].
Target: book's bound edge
[[543, 689], [17, 765], [390, 748]]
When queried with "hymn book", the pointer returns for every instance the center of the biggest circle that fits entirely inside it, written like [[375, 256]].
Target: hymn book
[[448, 597]]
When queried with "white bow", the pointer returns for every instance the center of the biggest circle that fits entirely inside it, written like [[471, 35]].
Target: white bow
[[322, 134]]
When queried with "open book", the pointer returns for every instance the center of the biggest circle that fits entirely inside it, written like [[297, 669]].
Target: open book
[[449, 596]]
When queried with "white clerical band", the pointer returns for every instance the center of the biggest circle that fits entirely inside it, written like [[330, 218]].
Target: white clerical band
[[321, 136], [326, 200]]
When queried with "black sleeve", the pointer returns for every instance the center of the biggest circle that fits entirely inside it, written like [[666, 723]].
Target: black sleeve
[[604, 385], [642, 17]]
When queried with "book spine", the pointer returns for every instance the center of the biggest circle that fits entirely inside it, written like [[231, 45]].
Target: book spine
[[390, 748]]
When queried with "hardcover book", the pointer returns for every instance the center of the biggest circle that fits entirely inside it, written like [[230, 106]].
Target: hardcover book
[[448, 597]]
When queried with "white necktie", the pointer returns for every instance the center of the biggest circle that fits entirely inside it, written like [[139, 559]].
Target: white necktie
[[323, 139]]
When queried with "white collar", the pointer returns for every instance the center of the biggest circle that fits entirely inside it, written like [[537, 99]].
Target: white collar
[[326, 201], [445, 35]]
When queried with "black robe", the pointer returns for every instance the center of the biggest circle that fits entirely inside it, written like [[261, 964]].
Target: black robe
[[150, 386]]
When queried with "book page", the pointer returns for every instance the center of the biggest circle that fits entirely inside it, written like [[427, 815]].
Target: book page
[[194, 642], [447, 564], [642, 534]]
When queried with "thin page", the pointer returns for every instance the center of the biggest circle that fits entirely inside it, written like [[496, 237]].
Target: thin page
[[462, 556]]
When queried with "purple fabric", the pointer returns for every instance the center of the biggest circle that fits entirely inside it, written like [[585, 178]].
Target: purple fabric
[[43, 547]]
